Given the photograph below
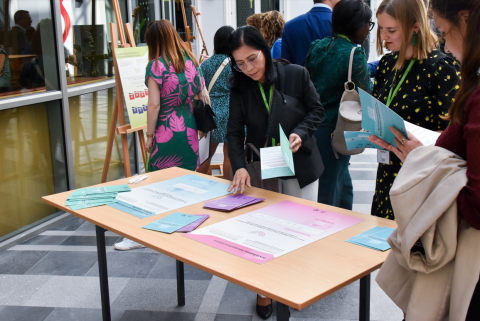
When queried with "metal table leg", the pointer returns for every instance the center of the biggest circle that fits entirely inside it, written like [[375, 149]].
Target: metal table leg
[[283, 312], [365, 298], [103, 273], [180, 283]]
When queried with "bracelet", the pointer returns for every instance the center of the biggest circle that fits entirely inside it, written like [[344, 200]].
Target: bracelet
[[149, 136]]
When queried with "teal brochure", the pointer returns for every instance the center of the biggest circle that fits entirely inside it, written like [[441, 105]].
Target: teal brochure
[[375, 239], [277, 161], [108, 189], [76, 196], [172, 222], [169, 195], [94, 200], [87, 204], [377, 118], [356, 140]]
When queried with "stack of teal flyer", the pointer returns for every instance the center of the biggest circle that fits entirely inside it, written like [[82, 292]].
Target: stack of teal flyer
[[375, 239], [95, 196], [172, 222]]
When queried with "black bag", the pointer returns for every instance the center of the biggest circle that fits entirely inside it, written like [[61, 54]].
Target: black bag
[[204, 116]]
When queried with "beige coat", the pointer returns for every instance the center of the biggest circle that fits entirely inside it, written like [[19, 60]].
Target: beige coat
[[436, 286]]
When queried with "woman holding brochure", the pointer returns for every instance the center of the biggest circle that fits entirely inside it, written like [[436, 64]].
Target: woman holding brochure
[[255, 100], [415, 80], [459, 23], [173, 78], [330, 56]]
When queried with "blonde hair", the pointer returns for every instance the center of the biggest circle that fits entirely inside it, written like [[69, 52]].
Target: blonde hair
[[408, 13], [272, 26]]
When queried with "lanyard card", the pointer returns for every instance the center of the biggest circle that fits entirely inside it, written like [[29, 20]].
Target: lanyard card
[[383, 156]]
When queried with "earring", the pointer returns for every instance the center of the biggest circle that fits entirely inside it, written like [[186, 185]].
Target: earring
[[414, 38]]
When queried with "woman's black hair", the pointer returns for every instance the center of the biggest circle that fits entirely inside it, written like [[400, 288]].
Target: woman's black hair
[[249, 36], [220, 40], [349, 16]]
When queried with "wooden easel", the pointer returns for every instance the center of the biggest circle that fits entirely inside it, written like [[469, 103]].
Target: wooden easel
[[187, 28], [118, 110], [204, 49]]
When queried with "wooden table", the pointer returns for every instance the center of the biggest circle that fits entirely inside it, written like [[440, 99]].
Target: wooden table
[[296, 279]]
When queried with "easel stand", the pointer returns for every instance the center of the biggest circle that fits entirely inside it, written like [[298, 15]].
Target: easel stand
[[118, 110]]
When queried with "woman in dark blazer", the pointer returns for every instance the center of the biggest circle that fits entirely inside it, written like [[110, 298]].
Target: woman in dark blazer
[[263, 94]]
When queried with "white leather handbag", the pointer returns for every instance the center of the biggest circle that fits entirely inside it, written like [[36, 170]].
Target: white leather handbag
[[349, 116]]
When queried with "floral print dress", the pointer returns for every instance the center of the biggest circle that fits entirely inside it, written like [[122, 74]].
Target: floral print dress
[[176, 137]]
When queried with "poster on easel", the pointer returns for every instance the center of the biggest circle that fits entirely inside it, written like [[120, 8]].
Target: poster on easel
[[131, 65]]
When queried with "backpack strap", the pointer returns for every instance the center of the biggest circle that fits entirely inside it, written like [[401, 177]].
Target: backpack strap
[[350, 69], [217, 74]]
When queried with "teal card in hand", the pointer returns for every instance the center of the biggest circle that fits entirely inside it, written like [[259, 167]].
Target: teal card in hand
[[286, 150], [277, 161], [172, 222]]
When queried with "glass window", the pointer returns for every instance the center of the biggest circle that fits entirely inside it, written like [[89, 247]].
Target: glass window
[[143, 14], [87, 41], [32, 163], [179, 23], [166, 8], [27, 46], [269, 5], [245, 8], [90, 117]]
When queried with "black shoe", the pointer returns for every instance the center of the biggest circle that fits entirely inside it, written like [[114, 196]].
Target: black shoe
[[264, 312]]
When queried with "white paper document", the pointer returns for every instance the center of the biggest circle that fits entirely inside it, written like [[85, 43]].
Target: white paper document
[[427, 137], [277, 161], [204, 148]]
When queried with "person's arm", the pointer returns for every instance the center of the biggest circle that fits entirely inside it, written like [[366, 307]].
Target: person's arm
[[313, 108], [468, 200], [445, 75], [286, 54], [361, 73], [2, 61], [373, 68], [203, 95], [153, 108]]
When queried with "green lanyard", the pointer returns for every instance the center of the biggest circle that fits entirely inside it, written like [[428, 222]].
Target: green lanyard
[[344, 37], [267, 104], [390, 95]]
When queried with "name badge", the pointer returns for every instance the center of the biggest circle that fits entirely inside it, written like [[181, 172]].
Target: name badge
[[383, 157]]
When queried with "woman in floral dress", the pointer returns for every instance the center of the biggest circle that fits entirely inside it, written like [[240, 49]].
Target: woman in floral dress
[[173, 79]]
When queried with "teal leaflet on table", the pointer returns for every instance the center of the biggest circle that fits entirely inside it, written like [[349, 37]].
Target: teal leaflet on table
[[277, 161], [375, 238], [356, 140], [172, 222], [377, 118], [169, 195]]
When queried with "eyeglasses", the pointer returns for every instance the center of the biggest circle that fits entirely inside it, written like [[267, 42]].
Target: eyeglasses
[[372, 25], [241, 67]]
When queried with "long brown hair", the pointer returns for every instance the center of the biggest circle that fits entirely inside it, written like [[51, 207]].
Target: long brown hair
[[272, 26], [470, 67], [163, 40], [409, 12]]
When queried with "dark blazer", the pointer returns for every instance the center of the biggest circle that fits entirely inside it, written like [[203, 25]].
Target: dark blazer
[[300, 32], [248, 109]]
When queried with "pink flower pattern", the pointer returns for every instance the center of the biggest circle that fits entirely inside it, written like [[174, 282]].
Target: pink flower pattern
[[176, 139]]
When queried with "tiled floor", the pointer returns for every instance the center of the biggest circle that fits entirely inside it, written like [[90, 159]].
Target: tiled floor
[[53, 277]]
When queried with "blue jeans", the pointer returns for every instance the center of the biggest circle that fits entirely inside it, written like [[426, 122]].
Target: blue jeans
[[335, 185]]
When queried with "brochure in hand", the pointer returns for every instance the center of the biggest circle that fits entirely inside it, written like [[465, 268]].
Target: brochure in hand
[[375, 239], [95, 196], [190, 227], [172, 222], [232, 202], [277, 161]]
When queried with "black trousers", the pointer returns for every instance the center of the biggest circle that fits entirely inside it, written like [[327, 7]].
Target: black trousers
[[474, 308]]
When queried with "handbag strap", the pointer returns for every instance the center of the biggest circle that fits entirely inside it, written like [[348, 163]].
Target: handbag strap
[[350, 69], [217, 74]]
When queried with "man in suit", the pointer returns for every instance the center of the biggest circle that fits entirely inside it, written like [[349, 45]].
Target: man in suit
[[22, 33], [300, 32]]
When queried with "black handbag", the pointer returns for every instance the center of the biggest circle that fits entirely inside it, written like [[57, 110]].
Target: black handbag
[[204, 116]]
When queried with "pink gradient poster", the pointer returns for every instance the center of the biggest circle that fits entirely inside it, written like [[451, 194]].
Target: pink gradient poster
[[270, 232]]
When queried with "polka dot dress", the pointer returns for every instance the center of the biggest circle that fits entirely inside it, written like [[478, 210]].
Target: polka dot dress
[[426, 93]]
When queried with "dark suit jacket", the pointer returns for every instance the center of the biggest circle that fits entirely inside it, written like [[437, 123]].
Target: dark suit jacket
[[248, 109], [300, 32]]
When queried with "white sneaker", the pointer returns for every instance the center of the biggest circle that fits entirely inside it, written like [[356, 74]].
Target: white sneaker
[[127, 244]]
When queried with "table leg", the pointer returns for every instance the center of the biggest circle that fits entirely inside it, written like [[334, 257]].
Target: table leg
[[180, 283], [283, 312], [365, 298], [103, 273]]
